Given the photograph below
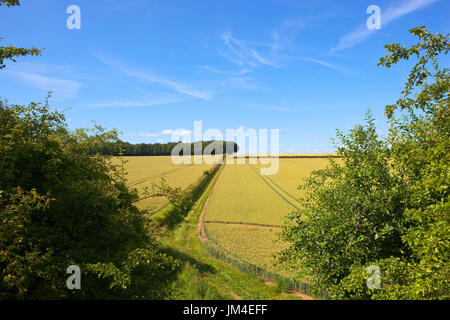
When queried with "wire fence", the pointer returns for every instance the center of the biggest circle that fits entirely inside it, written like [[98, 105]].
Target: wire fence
[[243, 266]]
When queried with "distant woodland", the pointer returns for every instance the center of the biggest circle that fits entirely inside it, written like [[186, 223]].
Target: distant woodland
[[165, 149]]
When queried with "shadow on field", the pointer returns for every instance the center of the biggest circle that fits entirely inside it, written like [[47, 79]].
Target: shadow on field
[[195, 280], [200, 266]]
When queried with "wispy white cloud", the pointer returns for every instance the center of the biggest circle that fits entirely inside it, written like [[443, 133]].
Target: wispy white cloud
[[248, 55], [45, 68], [147, 134], [133, 103], [323, 63], [231, 58], [242, 53], [284, 35], [389, 15], [174, 85], [61, 88], [176, 132], [353, 38], [293, 23], [312, 137], [407, 7], [166, 132], [247, 83], [226, 72]]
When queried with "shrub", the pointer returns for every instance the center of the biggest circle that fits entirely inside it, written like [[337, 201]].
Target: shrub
[[63, 204], [386, 204]]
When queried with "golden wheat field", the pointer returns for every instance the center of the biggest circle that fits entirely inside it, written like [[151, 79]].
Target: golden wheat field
[[142, 171], [241, 196], [246, 208], [249, 243]]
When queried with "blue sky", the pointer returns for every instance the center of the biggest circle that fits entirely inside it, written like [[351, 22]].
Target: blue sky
[[151, 67]]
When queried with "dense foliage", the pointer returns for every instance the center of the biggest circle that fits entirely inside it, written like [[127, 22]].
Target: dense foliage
[[386, 204], [9, 3], [165, 149], [61, 205]]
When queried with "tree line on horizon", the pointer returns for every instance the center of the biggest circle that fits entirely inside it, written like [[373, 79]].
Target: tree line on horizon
[[121, 148]]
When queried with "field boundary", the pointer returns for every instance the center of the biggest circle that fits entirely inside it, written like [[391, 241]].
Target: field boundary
[[301, 286], [201, 224], [220, 253], [197, 189]]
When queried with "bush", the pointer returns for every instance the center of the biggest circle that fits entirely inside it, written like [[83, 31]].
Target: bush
[[63, 204]]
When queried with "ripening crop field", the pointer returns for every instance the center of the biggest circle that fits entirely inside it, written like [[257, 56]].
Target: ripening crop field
[[142, 171], [246, 209], [291, 172], [241, 196], [249, 243]]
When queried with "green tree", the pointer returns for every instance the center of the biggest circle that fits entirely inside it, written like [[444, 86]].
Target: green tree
[[62, 204], [11, 52], [386, 203], [351, 212], [420, 152], [9, 3]]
